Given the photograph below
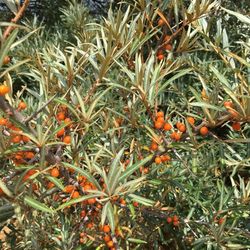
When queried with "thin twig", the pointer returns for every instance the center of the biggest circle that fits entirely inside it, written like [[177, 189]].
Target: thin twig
[[16, 18]]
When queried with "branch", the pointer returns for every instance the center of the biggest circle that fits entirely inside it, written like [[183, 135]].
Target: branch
[[16, 18]]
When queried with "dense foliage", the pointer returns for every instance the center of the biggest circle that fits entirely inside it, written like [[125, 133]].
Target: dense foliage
[[129, 132]]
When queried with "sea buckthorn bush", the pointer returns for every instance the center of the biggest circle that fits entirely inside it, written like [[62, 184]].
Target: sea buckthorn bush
[[130, 132]]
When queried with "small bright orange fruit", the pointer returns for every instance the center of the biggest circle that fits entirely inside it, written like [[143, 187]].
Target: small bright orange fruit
[[169, 220], [158, 160], [91, 201], [110, 243], [50, 185], [6, 60], [135, 204], [154, 146], [182, 128], [176, 223], [16, 139], [228, 104], [67, 139], [160, 114], [168, 47], [75, 195], [4, 90], [22, 105], [160, 57], [69, 188], [160, 119], [106, 229], [236, 126], [60, 116], [83, 213], [29, 155], [107, 238], [191, 120], [60, 133], [161, 22], [158, 125], [165, 158], [3, 121], [167, 38], [167, 126], [54, 172], [175, 136], [175, 218], [204, 130], [90, 225]]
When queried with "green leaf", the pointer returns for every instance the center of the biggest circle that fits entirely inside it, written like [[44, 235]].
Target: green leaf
[[56, 181], [37, 205], [115, 171], [242, 18], [130, 170], [80, 199], [140, 199], [84, 173], [138, 241]]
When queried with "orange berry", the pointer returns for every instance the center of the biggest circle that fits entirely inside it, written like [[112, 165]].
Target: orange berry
[[29, 155], [160, 119], [158, 125], [175, 218], [154, 146], [106, 229], [176, 223], [68, 122], [90, 225], [6, 60], [54, 172], [25, 138], [146, 170], [233, 113], [165, 158], [107, 238], [3, 121], [175, 136], [91, 201], [4, 90], [167, 38], [160, 57], [191, 120], [110, 243], [50, 185], [220, 221], [228, 104], [75, 195], [22, 105], [236, 126], [182, 128], [161, 22], [87, 187], [16, 139], [83, 213], [60, 116], [122, 202], [60, 133], [204, 131], [160, 114], [69, 188], [135, 204], [158, 160], [67, 139], [168, 47], [169, 220], [1, 192], [167, 126]]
